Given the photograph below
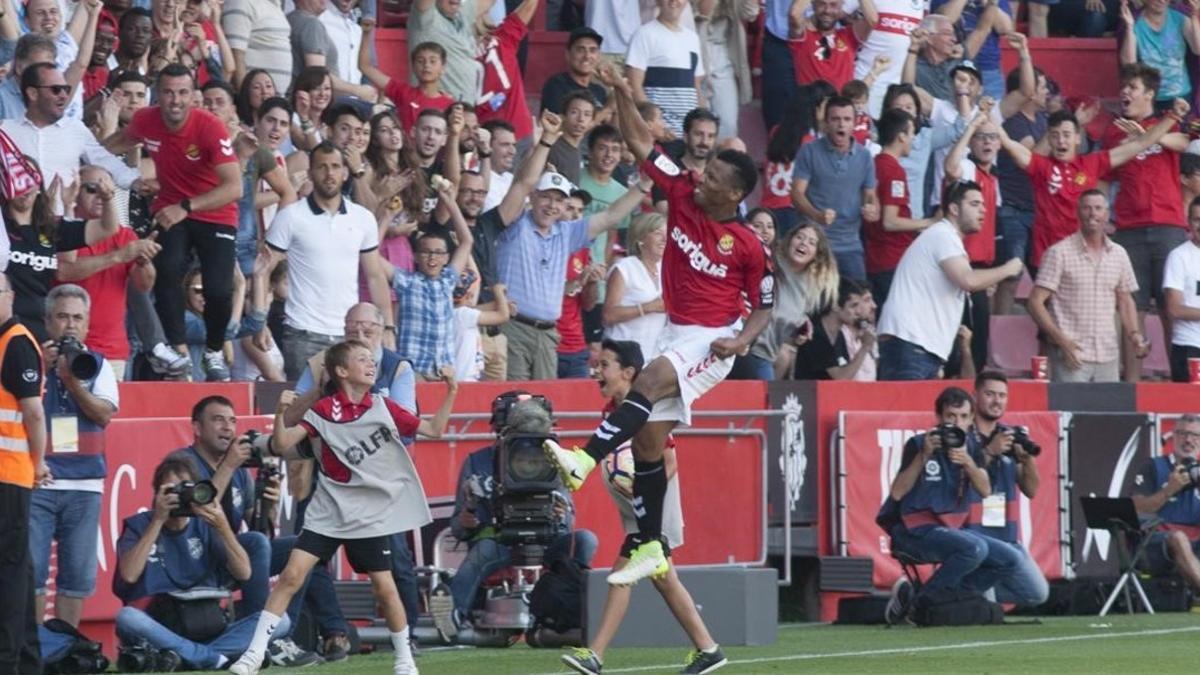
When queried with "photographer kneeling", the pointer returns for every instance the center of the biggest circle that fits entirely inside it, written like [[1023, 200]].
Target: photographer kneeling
[[181, 546], [476, 513], [1166, 487], [1010, 461], [929, 503]]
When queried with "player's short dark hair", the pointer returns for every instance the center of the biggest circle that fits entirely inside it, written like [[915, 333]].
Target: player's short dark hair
[[1093, 193], [275, 102], [127, 76], [583, 196], [339, 355], [958, 190], [848, 288], [699, 115], [891, 124], [179, 462], [431, 112], [202, 405], [134, 13], [1060, 117], [952, 397], [1149, 75], [498, 124], [646, 110], [744, 169], [222, 85], [1012, 81], [577, 95], [837, 102], [175, 70], [428, 47], [855, 89], [433, 234], [628, 353], [331, 115], [1189, 164], [602, 132], [986, 376], [31, 77], [323, 148]]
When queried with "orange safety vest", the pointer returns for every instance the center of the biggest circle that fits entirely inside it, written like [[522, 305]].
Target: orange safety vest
[[16, 462]]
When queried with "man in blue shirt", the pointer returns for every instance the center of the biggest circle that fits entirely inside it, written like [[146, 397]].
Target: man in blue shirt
[[160, 553], [532, 254], [67, 510], [929, 503], [1163, 488]]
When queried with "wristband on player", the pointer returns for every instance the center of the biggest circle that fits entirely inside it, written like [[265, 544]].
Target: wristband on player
[[545, 144]]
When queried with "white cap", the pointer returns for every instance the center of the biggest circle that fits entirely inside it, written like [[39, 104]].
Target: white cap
[[555, 181]]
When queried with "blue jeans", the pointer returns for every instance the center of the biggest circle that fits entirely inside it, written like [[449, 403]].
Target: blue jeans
[[851, 265], [1026, 586], [903, 360], [488, 556], [405, 576], [134, 624], [1016, 229], [993, 84], [967, 562], [751, 367], [573, 366], [779, 79], [72, 518]]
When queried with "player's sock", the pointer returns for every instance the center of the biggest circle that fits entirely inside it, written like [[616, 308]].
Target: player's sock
[[620, 426], [262, 634], [649, 492], [400, 641]]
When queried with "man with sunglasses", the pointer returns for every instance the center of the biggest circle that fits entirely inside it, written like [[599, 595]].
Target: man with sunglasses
[[824, 48], [60, 144], [1164, 488]]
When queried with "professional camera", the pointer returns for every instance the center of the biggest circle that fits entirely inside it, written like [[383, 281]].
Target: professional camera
[[255, 461], [504, 403], [83, 364], [143, 657], [950, 435], [525, 483], [265, 474], [1021, 438], [192, 492], [1193, 470]]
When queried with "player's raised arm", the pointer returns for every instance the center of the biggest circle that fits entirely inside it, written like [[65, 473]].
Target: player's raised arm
[[634, 129]]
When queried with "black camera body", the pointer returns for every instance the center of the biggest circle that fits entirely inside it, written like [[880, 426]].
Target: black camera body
[[950, 435], [83, 364], [255, 461], [504, 403], [1192, 467], [192, 492], [526, 481], [1021, 438], [143, 657]]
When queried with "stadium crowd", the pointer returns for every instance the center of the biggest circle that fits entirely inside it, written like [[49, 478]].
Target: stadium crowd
[[217, 190]]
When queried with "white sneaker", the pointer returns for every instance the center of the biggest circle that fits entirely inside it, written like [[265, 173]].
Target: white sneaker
[[247, 665], [166, 361], [215, 368]]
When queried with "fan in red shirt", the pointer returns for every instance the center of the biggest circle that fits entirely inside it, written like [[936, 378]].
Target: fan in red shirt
[[711, 260], [195, 209], [1060, 179], [579, 296], [503, 96], [821, 48], [885, 240], [428, 62]]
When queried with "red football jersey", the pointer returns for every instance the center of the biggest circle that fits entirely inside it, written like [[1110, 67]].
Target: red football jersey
[[981, 245], [1150, 192], [410, 101], [708, 265], [884, 249], [570, 322], [186, 159], [828, 57], [1056, 190], [106, 329], [503, 94]]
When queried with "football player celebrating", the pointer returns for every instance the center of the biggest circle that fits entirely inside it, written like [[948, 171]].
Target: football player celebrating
[[711, 260], [370, 490], [619, 364]]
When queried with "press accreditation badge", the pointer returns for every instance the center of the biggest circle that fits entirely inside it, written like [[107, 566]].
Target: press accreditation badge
[[993, 511], [64, 434]]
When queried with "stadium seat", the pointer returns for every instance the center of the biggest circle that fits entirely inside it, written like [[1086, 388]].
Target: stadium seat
[[1157, 363], [1014, 343]]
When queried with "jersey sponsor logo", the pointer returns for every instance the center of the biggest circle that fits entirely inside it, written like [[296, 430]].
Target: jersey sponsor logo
[[152, 146], [370, 445], [696, 257], [1149, 152], [725, 244], [227, 147], [666, 165], [897, 23], [37, 262]]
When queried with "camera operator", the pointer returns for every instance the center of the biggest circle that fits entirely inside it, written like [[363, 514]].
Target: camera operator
[[164, 551], [77, 410], [929, 503], [474, 518], [1166, 487], [220, 453], [1010, 461]]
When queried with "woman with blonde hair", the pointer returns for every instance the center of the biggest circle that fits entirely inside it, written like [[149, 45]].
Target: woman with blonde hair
[[633, 303], [806, 280]]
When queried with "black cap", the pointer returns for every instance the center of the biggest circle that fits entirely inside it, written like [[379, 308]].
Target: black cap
[[969, 66], [584, 32]]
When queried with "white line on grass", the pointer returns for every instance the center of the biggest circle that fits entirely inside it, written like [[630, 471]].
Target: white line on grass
[[914, 650]]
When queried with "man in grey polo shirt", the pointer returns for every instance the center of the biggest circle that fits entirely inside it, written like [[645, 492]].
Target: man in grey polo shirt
[[834, 186], [532, 252]]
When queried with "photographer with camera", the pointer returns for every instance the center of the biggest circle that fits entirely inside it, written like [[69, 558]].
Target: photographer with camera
[[929, 503], [1169, 487], [169, 563], [224, 457], [81, 397], [477, 513], [1009, 457]]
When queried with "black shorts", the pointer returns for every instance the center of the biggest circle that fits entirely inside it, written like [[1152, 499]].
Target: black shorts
[[365, 555], [632, 541]]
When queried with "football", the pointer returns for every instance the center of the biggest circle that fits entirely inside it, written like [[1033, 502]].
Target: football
[[618, 470]]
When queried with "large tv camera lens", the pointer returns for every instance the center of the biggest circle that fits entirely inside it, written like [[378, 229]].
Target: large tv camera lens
[[83, 365], [527, 462]]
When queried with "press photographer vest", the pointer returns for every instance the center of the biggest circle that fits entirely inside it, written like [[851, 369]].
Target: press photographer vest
[[941, 495], [1002, 472], [87, 460], [16, 464]]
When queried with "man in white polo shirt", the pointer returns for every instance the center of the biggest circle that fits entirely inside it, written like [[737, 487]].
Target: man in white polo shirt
[[326, 238], [1181, 287]]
